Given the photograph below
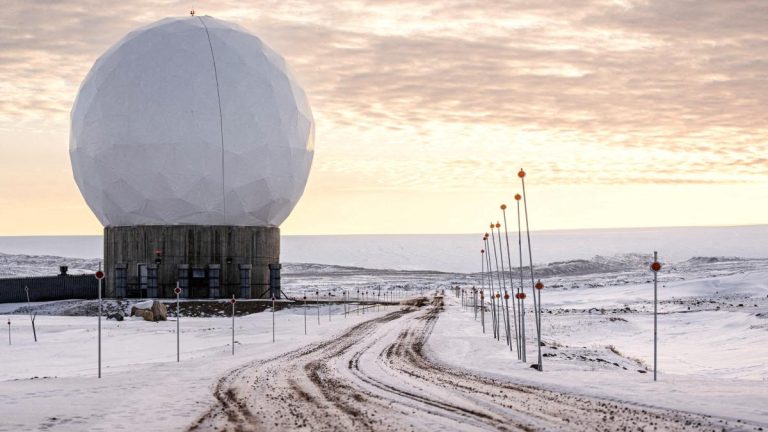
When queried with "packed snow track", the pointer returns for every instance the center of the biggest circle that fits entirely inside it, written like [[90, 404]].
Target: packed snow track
[[377, 377]]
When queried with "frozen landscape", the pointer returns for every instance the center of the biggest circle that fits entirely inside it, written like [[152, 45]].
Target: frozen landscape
[[401, 366]]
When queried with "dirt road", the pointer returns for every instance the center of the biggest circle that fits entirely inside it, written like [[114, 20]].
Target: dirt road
[[376, 377]]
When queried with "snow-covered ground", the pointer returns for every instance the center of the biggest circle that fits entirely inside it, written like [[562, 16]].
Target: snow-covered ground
[[713, 343], [712, 359], [52, 384]]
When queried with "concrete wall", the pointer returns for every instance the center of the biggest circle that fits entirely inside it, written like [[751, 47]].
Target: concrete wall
[[196, 246], [47, 288]]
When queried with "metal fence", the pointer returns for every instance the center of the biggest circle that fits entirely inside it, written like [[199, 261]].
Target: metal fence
[[47, 288]]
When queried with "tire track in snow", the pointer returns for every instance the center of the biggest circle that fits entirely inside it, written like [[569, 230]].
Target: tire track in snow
[[376, 377]]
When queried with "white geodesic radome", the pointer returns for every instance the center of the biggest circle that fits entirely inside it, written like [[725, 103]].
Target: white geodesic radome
[[191, 121]]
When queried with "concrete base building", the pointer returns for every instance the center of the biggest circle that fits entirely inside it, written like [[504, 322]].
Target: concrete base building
[[206, 261]]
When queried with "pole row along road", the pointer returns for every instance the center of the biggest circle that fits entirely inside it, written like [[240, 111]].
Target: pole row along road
[[376, 377]]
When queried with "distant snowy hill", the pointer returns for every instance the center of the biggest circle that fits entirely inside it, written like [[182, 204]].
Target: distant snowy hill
[[43, 265], [570, 251]]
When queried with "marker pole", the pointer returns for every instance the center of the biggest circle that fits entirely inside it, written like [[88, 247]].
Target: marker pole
[[503, 287], [273, 319], [504, 311], [233, 324], [511, 284], [482, 288], [482, 309], [100, 310], [655, 317], [490, 286], [31, 318], [520, 301], [9, 331], [536, 297], [178, 334], [499, 280], [317, 295], [656, 266]]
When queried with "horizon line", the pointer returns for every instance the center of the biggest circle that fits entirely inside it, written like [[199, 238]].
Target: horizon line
[[443, 233]]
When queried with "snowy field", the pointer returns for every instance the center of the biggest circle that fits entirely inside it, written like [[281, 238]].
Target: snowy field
[[597, 333], [712, 352]]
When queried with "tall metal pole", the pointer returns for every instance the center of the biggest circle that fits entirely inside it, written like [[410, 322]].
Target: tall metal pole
[[317, 295], [499, 279], [521, 302], [655, 318], [305, 313], [536, 296], [9, 331], [329, 306], [511, 284], [504, 288], [482, 288], [490, 286], [655, 266]]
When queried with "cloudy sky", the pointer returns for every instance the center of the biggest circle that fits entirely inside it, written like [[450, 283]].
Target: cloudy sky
[[624, 113]]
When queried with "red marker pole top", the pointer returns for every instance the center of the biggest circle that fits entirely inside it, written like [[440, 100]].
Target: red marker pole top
[[99, 275], [503, 206], [521, 173], [518, 197], [656, 266], [232, 300], [177, 290], [539, 285]]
